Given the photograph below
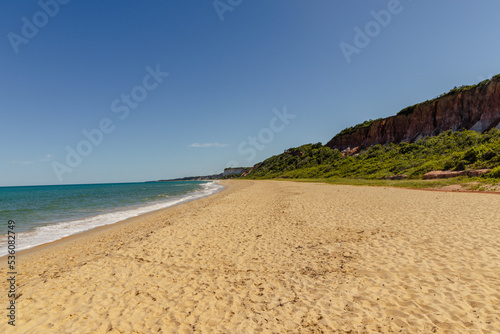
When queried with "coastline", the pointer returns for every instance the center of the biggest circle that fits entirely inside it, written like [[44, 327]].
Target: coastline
[[275, 256], [227, 186], [104, 228], [147, 209]]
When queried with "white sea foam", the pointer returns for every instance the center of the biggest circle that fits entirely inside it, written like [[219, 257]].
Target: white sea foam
[[45, 234]]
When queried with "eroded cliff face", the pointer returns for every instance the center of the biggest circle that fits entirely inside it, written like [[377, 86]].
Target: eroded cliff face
[[476, 109]]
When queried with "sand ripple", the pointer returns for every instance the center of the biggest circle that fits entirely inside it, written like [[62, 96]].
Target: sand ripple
[[277, 257]]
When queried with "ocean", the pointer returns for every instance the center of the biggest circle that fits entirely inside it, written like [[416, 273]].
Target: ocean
[[47, 213]]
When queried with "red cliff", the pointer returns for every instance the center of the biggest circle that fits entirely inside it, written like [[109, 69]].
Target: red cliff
[[472, 108]]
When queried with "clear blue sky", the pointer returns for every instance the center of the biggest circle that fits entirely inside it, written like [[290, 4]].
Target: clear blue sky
[[83, 66]]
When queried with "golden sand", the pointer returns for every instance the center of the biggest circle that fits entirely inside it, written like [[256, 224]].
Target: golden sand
[[275, 257]]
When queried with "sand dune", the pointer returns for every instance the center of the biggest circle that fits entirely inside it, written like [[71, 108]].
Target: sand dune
[[276, 257]]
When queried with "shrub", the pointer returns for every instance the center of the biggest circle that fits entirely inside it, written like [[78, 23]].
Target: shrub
[[495, 173], [460, 165], [357, 127], [450, 164], [471, 155], [488, 155], [449, 150]]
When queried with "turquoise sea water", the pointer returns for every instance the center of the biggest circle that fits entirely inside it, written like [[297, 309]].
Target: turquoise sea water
[[47, 213]]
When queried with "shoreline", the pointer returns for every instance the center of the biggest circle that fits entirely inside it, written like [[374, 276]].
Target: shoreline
[[103, 228], [275, 257], [226, 187]]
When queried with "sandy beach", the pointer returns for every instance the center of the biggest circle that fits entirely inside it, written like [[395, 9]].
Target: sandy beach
[[274, 257]]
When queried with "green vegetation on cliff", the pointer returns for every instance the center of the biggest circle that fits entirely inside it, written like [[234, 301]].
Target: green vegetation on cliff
[[447, 151], [352, 129], [455, 90]]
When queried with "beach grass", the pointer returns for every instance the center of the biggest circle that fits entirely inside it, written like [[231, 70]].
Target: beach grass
[[465, 183]]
